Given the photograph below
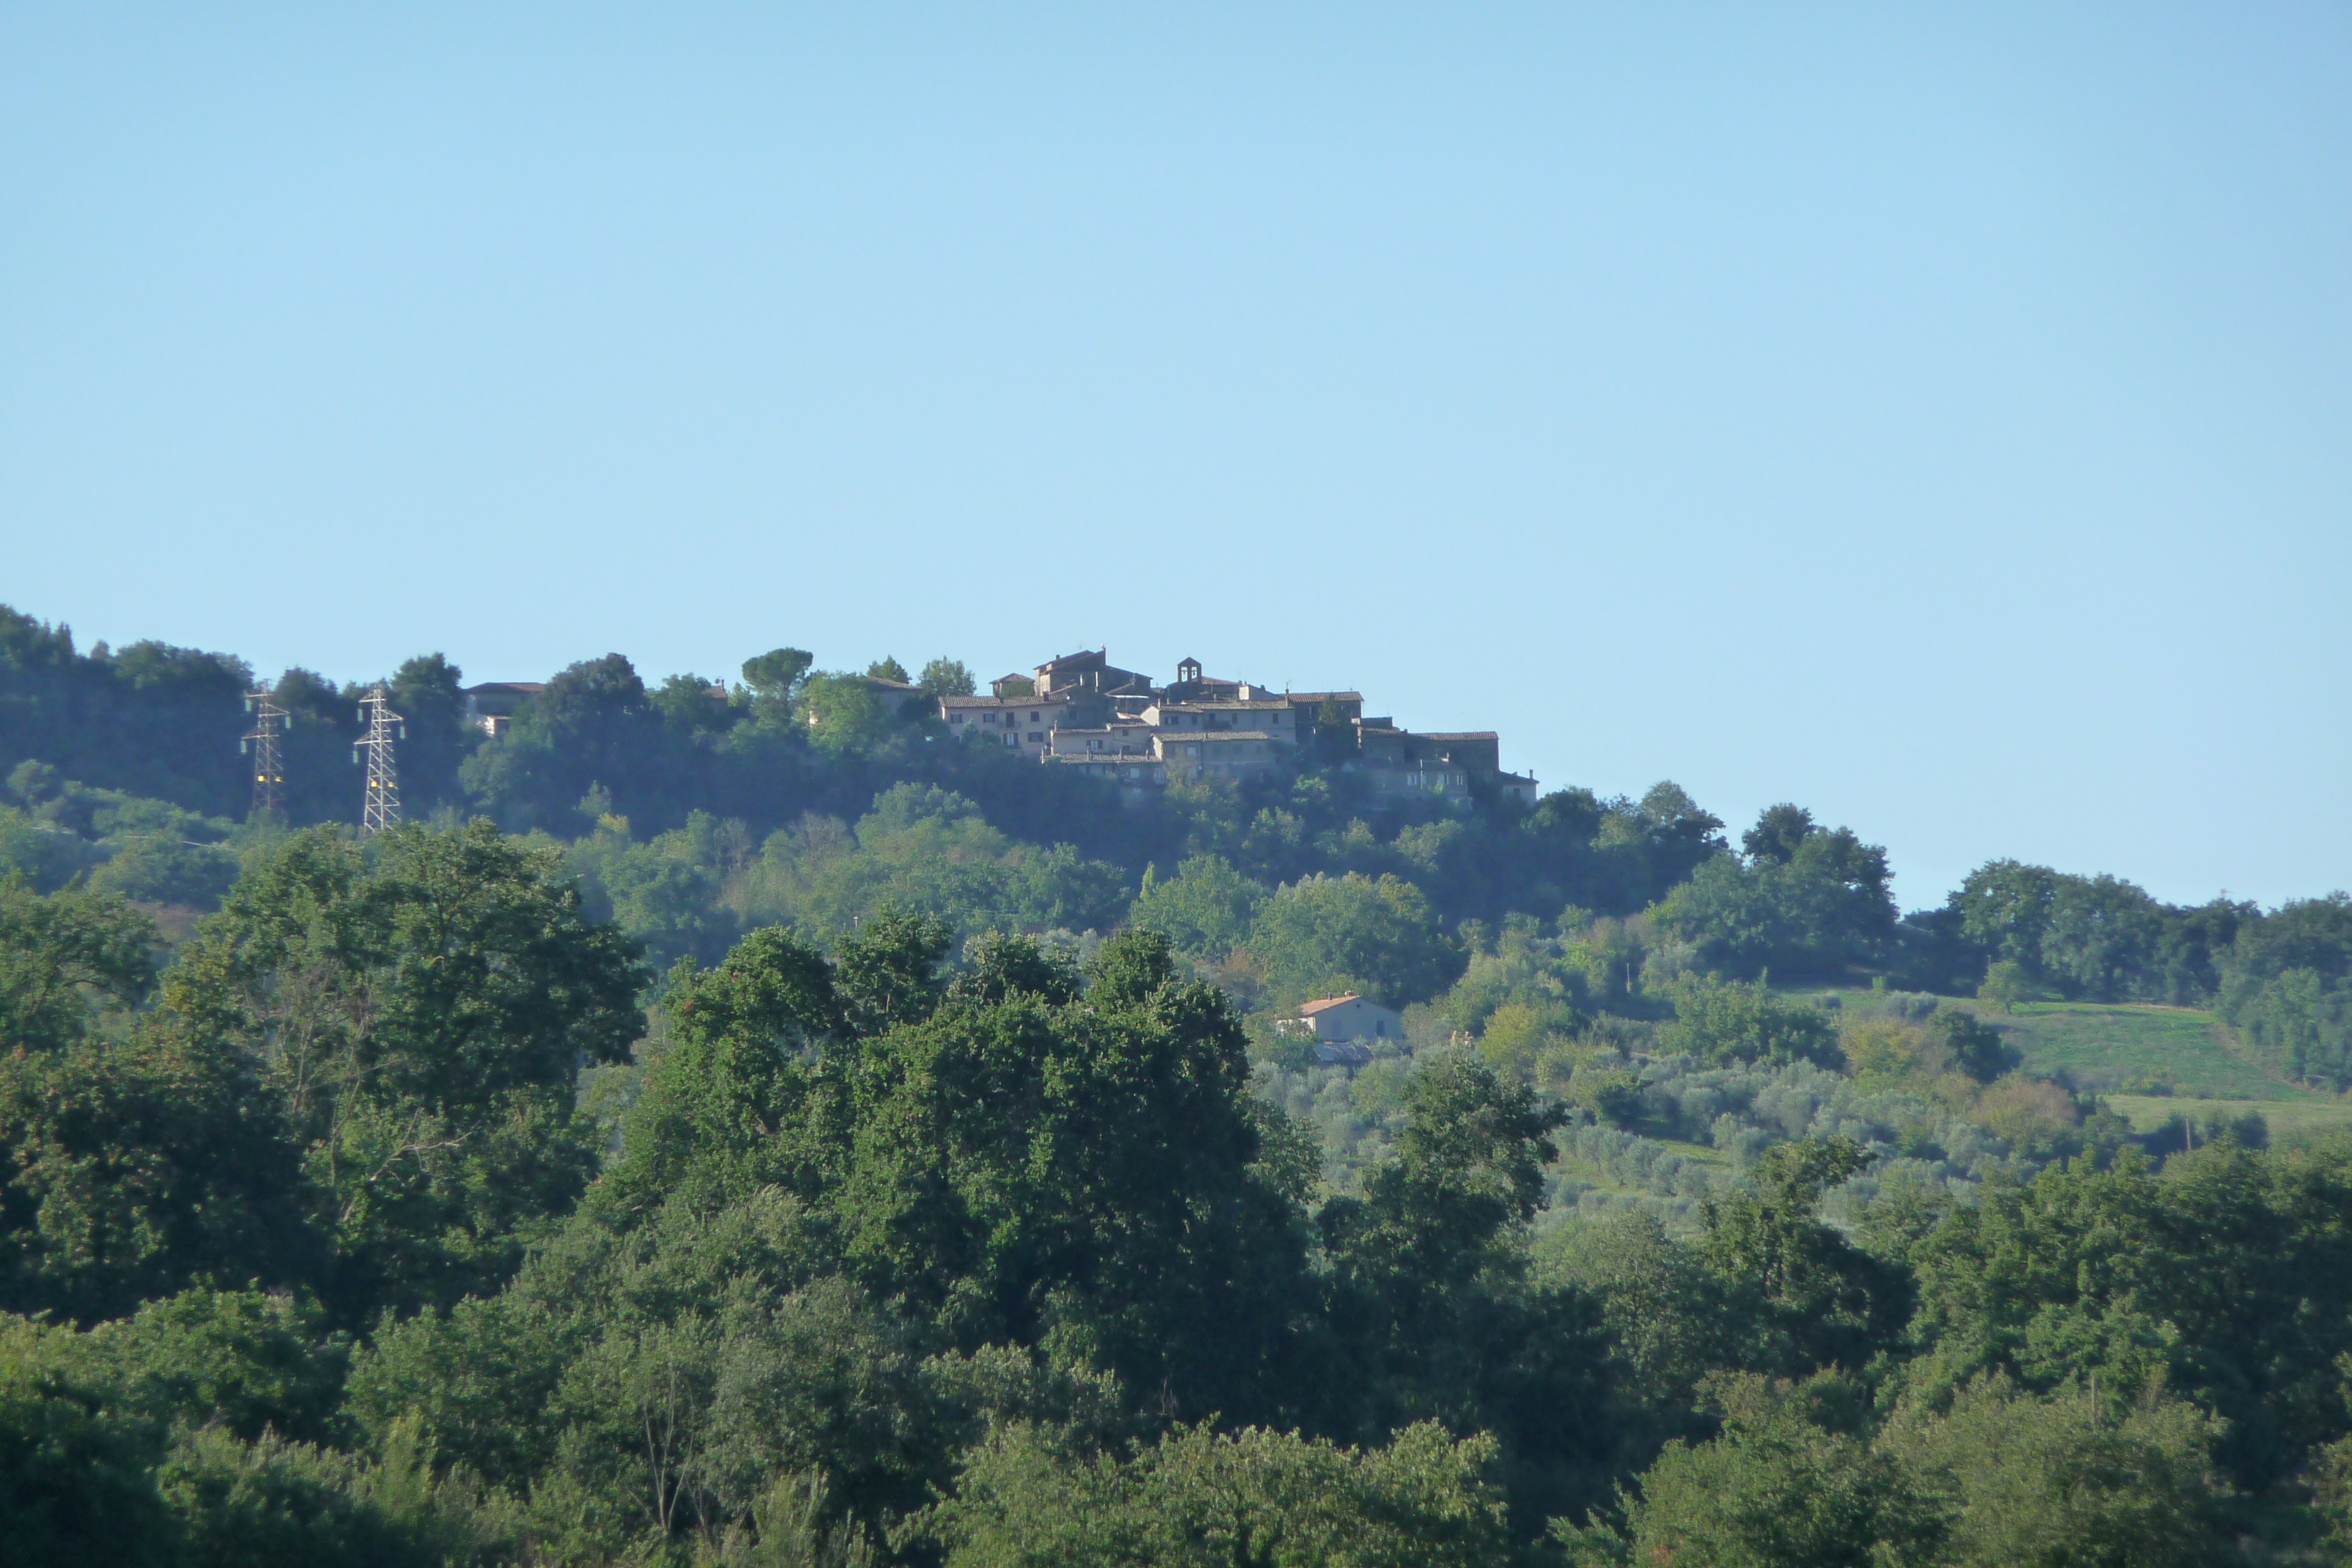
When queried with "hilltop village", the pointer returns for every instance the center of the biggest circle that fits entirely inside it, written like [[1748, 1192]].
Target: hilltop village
[[1080, 710]]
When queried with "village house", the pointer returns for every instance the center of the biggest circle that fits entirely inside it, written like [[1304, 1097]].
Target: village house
[[1025, 724], [1221, 753], [491, 706], [1275, 716], [1334, 1019]]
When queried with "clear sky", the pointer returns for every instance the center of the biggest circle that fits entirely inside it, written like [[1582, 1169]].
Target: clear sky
[[1937, 415]]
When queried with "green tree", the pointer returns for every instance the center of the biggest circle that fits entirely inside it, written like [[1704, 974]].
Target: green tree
[[1205, 909], [1380, 937], [1781, 1488], [420, 1006], [135, 1169], [2004, 985], [845, 716], [889, 669], [2068, 1479], [1430, 1303], [77, 1487], [1823, 1300], [1721, 1023], [65, 961], [1199, 1498], [946, 678]]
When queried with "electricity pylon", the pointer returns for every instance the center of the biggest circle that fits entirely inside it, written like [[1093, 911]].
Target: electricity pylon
[[260, 743], [383, 808]]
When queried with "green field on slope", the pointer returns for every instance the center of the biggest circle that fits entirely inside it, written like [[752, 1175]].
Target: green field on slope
[[2105, 1045], [2101, 1041], [2291, 1121]]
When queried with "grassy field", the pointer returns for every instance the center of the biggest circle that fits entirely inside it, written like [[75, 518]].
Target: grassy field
[[2103, 1046], [2099, 1041], [2291, 1121]]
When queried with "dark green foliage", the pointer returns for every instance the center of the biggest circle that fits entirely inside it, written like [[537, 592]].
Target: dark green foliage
[[1430, 1299], [66, 959], [420, 1009], [240, 1359], [2228, 1276], [1966, 1044], [152, 719], [76, 1485], [888, 972], [2286, 981], [930, 1209], [1807, 902], [135, 1168], [1819, 1300], [2072, 1478]]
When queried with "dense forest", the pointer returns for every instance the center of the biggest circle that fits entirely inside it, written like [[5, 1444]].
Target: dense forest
[[735, 1123]]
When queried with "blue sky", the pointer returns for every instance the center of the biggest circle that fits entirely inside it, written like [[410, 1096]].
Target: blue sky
[[1941, 417]]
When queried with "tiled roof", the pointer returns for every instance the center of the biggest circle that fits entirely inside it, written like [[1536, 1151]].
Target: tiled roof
[[1308, 1009], [1003, 701]]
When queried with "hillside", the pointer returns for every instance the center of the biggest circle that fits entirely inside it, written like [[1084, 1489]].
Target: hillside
[[782, 1123]]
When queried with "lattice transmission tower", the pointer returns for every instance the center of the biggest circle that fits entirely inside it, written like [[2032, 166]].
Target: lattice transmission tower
[[383, 726], [260, 743]]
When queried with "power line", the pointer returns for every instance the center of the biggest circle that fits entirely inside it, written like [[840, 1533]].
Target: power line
[[384, 725], [260, 743]]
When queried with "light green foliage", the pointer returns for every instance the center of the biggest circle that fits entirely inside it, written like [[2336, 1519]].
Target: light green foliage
[[164, 869], [2004, 985], [2066, 1480], [1948, 1041], [922, 849], [1205, 909], [1721, 1022], [1782, 1488], [1199, 1498], [946, 678], [664, 893], [1519, 992], [889, 669], [844, 714], [1323, 933]]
